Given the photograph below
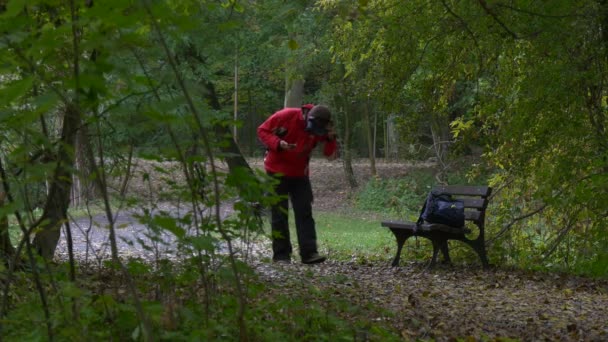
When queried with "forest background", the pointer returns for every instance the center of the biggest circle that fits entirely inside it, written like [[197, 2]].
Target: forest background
[[506, 93]]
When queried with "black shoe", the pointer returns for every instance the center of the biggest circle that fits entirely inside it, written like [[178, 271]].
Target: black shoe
[[314, 258], [284, 261]]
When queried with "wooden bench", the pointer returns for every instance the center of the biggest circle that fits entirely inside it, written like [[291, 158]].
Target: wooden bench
[[475, 200]]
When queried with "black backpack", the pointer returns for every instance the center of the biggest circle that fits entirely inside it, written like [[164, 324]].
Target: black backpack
[[441, 207]]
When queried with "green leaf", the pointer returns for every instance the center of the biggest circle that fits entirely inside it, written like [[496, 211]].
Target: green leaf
[[169, 224], [204, 243], [93, 82], [16, 89], [70, 290], [45, 102], [292, 44], [137, 267], [14, 8], [9, 208]]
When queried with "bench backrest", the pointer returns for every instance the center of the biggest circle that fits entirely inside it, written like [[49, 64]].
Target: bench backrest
[[475, 200]]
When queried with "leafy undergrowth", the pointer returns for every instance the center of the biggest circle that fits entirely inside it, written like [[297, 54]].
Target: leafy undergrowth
[[181, 305], [456, 303], [333, 301]]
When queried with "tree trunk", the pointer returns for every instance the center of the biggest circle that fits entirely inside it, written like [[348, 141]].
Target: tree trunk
[[83, 188], [252, 116], [440, 131], [235, 132], [6, 247], [294, 93], [342, 102], [370, 139], [58, 200], [345, 148], [392, 138], [375, 133], [231, 151], [127, 176]]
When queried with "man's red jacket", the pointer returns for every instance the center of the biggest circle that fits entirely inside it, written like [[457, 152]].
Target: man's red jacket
[[291, 163]]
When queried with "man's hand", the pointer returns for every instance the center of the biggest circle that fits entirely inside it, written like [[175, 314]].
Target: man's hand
[[284, 145]]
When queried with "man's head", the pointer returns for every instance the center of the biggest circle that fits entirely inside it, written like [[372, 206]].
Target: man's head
[[318, 120]]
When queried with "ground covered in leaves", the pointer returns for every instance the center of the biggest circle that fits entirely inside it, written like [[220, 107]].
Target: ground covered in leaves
[[459, 302]]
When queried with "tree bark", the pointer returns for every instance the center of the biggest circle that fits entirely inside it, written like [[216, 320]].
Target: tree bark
[[6, 247], [294, 93], [83, 188], [370, 139], [58, 200], [231, 151], [346, 148], [441, 139]]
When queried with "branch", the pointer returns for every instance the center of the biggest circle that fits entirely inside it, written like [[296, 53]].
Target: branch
[[515, 220], [538, 210], [408, 75], [496, 191], [121, 100], [536, 14], [34, 269], [485, 7], [209, 153], [32, 66], [462, 21], [561, 235], [468, 29]]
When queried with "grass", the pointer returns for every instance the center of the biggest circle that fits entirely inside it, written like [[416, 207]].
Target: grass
[[357, 237]]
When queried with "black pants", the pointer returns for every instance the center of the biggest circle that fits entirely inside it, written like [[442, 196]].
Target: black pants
[[300, 194]]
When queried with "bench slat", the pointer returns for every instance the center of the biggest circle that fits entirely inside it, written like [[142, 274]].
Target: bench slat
[[483, 191], [474, 203], [469, 215], [399, 224], [472, 215], [425, 227], [447, 229]]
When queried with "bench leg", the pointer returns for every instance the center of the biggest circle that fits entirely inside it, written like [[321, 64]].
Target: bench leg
[[440, 244], [479, 247], [481, 250], [446, 252], [400, 236]]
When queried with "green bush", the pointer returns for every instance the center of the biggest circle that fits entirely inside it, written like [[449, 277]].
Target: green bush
[[401, 197]]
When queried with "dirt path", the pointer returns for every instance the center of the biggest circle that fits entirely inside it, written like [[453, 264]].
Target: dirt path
[[91, 241]]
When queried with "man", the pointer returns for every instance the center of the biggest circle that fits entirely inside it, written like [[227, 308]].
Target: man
[[290, 136]]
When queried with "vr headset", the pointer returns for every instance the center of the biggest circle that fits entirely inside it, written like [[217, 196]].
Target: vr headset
[[317, 120], [317, 126]]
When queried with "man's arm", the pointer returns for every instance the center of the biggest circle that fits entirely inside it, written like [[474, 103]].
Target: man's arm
[[266, 132]]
